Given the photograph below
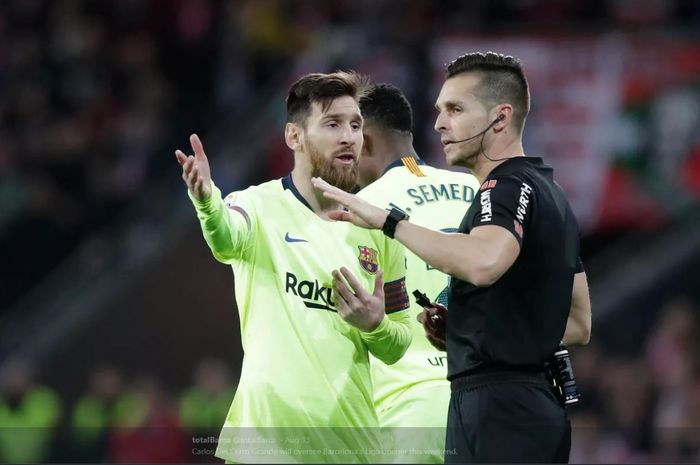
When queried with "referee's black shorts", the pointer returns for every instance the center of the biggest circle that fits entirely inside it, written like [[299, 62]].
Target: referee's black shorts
[[506, 417]]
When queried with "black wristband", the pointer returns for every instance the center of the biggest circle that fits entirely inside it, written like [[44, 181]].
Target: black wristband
[[395, 215]]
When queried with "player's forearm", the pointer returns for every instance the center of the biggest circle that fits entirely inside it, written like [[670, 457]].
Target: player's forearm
[[390, 340], [214, 222], [459, 255]]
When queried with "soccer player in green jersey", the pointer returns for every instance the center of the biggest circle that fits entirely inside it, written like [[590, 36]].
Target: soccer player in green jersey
[[412, 395], [315, 297]]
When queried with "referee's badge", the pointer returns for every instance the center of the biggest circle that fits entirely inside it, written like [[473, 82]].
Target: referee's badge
[[368, 259]]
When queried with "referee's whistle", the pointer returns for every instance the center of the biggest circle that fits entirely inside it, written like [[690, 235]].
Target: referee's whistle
[[422, 299]]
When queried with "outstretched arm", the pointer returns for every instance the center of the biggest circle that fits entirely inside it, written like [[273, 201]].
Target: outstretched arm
[[195, 170], [480, 257], [226, 230]]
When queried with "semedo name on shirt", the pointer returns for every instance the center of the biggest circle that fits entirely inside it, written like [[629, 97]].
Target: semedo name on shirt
[[428, 193]]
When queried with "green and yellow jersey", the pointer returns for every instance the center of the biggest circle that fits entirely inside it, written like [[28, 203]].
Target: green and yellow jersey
[[305, 392], [414, 392]]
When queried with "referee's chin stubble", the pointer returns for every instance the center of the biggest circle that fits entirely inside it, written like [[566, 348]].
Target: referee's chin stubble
[[462, 154]]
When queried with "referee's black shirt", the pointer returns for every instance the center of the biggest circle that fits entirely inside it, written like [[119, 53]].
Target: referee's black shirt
[[518, 321]]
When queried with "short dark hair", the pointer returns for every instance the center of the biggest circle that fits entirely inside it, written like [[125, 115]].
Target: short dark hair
[[502, 81], [386, 106], [322, 88]]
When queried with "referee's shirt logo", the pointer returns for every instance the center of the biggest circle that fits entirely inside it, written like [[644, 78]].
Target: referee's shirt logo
[[485, 200]]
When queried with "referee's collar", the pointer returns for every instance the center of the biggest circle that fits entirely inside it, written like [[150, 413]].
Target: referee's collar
[[288, 183], [536, 162], [399, 162]]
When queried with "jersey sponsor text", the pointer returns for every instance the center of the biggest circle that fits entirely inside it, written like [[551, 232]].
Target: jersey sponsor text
[[485, 200], [315, 295], [525, 191]]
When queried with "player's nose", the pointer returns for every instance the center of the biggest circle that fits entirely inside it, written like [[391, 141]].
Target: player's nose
[[346, 136]]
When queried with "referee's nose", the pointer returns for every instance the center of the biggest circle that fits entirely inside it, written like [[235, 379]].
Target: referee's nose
[[440, 123]]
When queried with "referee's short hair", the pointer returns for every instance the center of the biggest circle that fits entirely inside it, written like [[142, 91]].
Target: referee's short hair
[[502, 81], [387, 107]]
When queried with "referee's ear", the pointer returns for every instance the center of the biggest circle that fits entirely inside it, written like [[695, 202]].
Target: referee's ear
[[294, 136]]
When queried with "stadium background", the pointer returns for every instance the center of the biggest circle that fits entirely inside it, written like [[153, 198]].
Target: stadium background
[[107, 289]]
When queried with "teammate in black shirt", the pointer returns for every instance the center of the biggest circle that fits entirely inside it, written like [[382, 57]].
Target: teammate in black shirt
[[518, 285]]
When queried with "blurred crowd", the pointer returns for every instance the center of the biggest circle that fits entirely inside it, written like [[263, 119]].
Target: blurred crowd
[[89, 98], [645, 407], [116, 419], [94, 95], [637, 408]]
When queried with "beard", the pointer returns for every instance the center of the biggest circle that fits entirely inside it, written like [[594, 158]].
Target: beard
[[343, 177]]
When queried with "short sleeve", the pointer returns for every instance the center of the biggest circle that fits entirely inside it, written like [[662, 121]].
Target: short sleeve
[[507, 202]]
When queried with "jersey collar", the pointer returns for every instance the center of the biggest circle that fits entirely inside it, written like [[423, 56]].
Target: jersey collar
[[535, 162], [396, 163], [287, 183]]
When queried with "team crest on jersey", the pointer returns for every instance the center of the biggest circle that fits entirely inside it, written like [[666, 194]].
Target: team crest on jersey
[[368, 259]]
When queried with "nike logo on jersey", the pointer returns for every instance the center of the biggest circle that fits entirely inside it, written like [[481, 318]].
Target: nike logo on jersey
[[289, 238]]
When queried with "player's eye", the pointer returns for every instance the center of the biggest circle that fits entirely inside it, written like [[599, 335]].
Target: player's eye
[[356, 126], [332, 124]]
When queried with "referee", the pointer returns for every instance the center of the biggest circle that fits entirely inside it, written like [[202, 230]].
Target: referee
[[519, 287]]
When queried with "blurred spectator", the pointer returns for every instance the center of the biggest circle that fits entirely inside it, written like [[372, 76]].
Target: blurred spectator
[[95, 412], [673, 359], [151, 431], [28, 414], [203, 407]]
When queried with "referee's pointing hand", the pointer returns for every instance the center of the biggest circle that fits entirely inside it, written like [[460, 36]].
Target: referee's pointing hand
[[360, 213]]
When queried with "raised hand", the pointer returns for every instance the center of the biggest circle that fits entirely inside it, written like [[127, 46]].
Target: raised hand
[[195, 169], [434, 321], [360, 212], [359, 308]]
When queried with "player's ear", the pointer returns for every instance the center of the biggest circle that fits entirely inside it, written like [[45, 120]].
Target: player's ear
[[294, 136]]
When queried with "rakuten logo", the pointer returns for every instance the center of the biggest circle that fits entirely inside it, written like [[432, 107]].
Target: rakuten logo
[[314, 294]]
